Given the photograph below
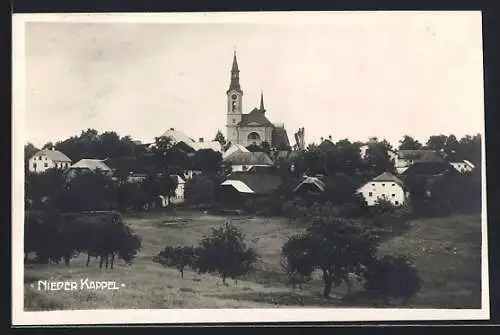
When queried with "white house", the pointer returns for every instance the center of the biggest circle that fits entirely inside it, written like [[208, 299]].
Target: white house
[[48, 159], [463, 166], [179, 191], [385, 186], [177, 136]]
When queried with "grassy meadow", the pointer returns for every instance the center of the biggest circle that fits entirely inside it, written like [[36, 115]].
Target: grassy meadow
[[447, 252]]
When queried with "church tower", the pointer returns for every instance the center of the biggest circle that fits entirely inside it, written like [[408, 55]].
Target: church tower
[[234, 103]]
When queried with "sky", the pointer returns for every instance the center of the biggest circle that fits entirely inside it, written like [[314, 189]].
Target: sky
[[354, 75]]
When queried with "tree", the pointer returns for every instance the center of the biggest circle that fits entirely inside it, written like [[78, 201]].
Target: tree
[[90, 191], [377, 158], [289, 210], [298, 257], [265, 147], [179, 257], [436, 142], [409, 143], [393, 277], [200, 190], [254, 148], [452, 147], [337, 247], [225, 252], [219, 137], [46, 186], [207, 161], [48, 146], [130, 196]]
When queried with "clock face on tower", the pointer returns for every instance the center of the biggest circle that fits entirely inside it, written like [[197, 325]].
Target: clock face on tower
[[234, 97]]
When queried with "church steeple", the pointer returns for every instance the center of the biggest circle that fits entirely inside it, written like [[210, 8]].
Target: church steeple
[[235, 76], [262, 109]]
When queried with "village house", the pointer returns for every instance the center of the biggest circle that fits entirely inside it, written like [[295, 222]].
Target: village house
[[86, 165], [310, 187], [239, 187], [48, 159], [385, 186], [232, 149], [464, 166], [190, 145], [243, 161]]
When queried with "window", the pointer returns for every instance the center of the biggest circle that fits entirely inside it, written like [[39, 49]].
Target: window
[[393, 184], [383, 195], [383, 184], [396, 203], [393, 195], [373, 184], [34, 165], [39, 158], [370, 194], [46, 164]]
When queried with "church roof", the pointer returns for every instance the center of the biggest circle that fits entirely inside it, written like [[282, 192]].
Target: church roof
[[279, 137], [255, 116]]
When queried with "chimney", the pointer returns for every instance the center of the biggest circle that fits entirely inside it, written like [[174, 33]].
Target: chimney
[[330, 137], [321, 139], [201, 139]]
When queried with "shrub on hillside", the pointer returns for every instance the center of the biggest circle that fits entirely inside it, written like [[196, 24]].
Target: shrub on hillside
[[225, 252], [179, 257], [393, 277]]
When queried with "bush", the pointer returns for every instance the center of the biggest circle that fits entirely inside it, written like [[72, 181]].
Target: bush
[[393, 277], [178, 257], [224, 252]]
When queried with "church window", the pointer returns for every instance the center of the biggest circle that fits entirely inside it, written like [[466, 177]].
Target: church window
[[234, 121]]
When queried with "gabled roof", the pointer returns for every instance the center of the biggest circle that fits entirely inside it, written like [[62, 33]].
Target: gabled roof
[[279, 137], [253, 183], [178, 136], [249, 158], [311, 180], [326, 145], [178, 178], [91, 164], [430, 157], [387, 177], [234, 148], [54, 155], [256, 116], [413, 154], [214, 145]]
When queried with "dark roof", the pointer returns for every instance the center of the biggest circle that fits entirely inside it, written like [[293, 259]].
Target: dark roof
[[280, 137], [413, 154], [430, 157], [256, 116], [249, 158], [389, 177], [428, 168], [259, 183]]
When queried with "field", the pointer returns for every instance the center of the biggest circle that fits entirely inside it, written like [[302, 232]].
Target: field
[[447, 252]]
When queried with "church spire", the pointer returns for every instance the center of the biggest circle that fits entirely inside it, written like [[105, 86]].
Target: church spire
[[235, 75], [262, 109]]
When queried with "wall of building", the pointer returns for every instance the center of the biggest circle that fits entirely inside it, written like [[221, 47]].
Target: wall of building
[[42, 163], [391, 191], [265, 134]]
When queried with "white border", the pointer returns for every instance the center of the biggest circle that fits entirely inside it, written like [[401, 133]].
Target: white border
[[20, 317]]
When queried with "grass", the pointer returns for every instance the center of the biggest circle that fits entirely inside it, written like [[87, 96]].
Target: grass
[[451, 278]]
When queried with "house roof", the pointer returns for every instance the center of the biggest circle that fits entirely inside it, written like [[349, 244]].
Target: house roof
[[178, 136], [387, 176], [430, 157], [257, 183], [54, 155], [413, 154], [249, 158], [179, 179], [466, 162], [279, 137], [311, 180], [214, 145], [91, 164], [234, 148], [256, 116]]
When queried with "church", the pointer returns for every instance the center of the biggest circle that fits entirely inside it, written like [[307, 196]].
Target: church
[[254, 127]]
